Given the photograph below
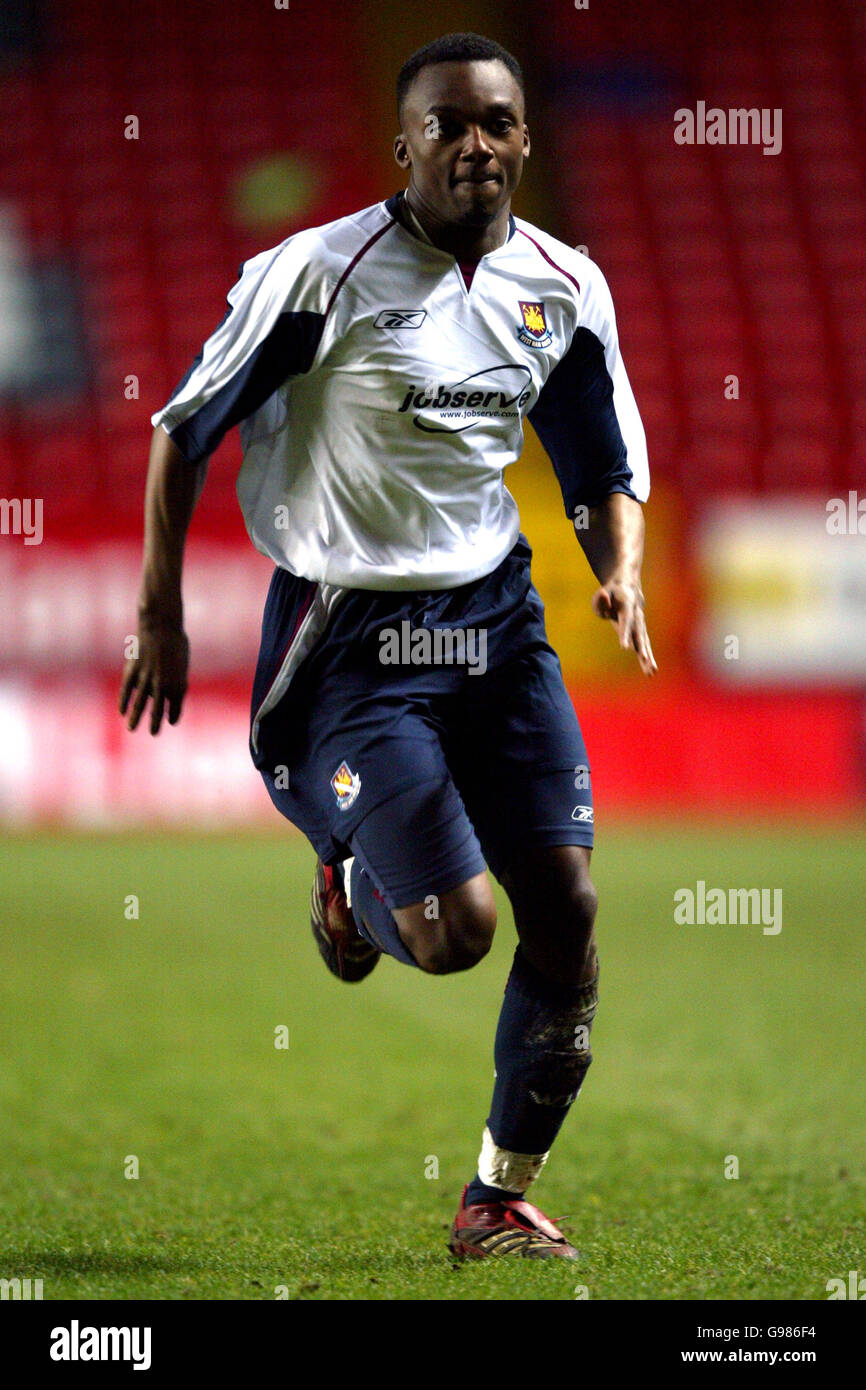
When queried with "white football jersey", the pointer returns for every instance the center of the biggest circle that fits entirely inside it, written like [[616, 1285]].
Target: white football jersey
[[380, 401]]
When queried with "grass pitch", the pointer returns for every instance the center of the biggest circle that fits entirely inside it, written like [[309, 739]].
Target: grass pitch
[[308, 1171]]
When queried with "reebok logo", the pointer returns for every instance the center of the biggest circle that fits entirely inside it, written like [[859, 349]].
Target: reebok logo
[[400, 318]]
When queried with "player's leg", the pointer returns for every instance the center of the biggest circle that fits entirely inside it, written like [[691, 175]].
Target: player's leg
[[525, 781], [414, 886], [541, 1050], [350, 752], [297, 649], [542, 1047], [417, 884], [554, 902]]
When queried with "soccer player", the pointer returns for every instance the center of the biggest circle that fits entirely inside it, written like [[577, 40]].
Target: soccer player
[[408, 712]]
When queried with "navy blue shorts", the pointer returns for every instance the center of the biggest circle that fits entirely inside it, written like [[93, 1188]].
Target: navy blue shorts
[[425, 732]]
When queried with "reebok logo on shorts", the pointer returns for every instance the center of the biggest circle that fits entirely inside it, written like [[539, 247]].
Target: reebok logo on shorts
[[346, 784], [583, 813]]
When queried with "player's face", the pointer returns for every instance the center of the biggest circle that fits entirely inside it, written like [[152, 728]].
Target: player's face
[[464, 139]]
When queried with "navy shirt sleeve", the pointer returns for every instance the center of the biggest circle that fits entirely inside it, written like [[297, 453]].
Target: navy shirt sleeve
[[577, 423]]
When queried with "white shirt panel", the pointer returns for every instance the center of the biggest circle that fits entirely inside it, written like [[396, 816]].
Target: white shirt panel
[[366, 466]]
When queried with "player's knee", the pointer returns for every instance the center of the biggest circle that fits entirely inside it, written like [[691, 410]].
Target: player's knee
[[459, 938], [582, 904], [578, 920], [566, 936], [469, 935]]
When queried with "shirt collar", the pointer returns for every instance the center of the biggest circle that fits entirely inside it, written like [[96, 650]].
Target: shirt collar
[[391, 204]]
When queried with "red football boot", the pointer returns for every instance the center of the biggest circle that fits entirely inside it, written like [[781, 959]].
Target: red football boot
[[513, 1227], [341, 946]]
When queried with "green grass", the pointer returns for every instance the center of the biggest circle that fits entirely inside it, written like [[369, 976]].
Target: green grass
[[305, 1167]]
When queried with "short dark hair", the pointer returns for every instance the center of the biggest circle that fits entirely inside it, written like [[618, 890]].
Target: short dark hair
[[455, 48]]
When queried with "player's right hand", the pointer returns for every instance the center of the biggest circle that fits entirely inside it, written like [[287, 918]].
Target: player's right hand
[[158, 673]]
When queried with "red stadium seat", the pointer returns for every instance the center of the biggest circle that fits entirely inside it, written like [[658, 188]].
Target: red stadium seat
[[720, 259]]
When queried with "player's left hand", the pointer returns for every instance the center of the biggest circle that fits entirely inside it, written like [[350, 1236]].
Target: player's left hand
[[623, 603]]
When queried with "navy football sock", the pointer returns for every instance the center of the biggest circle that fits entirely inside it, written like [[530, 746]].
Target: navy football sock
[[478, 1191], [373, 916], [542, 1055]]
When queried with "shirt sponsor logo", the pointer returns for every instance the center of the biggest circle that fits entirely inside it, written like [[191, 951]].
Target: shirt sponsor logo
[[345, 785], [533, 331], [460, 404], [400, 318]]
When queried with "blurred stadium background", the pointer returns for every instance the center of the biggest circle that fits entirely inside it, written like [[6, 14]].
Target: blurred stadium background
[[147, 150]]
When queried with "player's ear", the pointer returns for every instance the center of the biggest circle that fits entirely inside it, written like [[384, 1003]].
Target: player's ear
[[401, 151], [526, 144]]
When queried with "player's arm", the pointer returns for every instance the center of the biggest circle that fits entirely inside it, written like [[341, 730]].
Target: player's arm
[[271, 331], [159, 672], [588, 422], [613, 543]]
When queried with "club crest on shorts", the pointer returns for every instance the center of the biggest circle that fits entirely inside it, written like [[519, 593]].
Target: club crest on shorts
[[534, 331], [346, 784]]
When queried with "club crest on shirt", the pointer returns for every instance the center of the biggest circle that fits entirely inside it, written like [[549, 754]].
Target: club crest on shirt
[[533, 331], [346, 784]]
